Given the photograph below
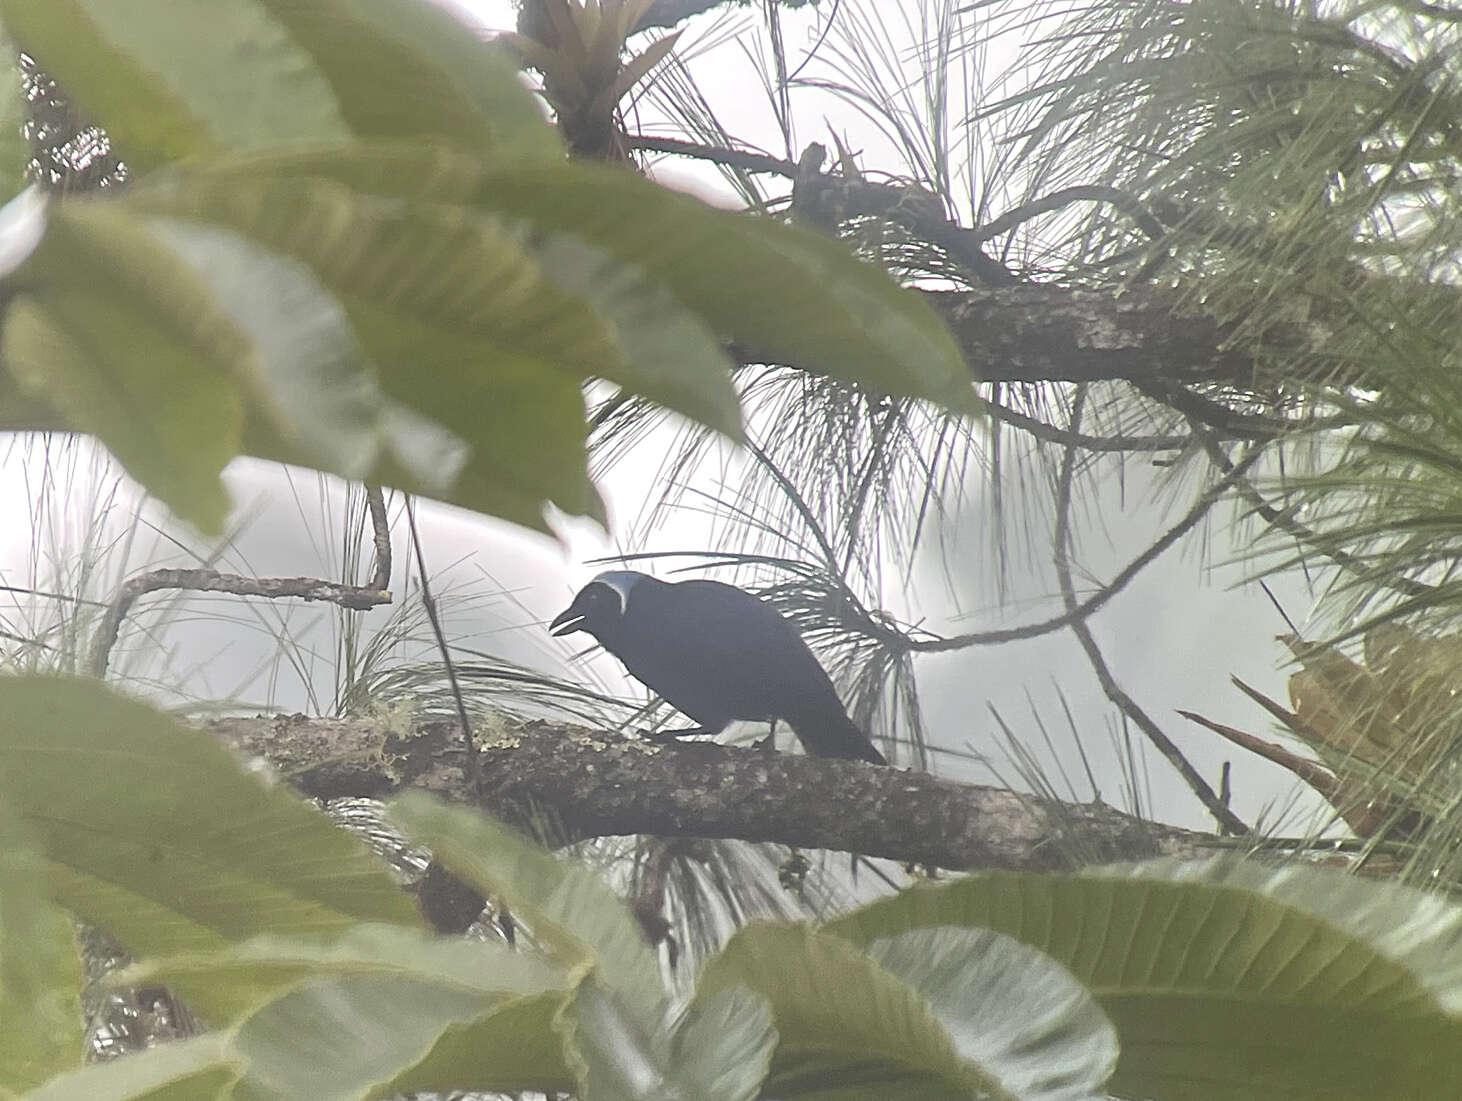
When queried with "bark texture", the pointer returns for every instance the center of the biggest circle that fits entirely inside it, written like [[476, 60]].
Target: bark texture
[[1044, 333], [593, 784]]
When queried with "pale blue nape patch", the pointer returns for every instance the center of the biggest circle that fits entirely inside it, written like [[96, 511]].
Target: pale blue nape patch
[[621, 581]]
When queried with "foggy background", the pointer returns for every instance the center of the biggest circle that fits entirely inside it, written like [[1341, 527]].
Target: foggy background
[[1172, 638]]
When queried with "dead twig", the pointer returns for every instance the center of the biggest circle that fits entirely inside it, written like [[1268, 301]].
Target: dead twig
[[358, 598]]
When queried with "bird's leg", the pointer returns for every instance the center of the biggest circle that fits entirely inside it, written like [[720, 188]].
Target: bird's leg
[[768, 745]]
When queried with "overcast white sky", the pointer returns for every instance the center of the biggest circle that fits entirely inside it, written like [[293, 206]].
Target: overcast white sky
[[1173, 638]]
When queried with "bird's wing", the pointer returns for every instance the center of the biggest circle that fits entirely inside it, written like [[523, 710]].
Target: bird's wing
[[727, 649]]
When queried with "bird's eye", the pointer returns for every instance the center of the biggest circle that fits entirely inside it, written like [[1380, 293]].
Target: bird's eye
[[605, 601]]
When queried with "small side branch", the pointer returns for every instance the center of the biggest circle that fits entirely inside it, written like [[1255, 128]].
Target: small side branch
[[430, 604], [743, 159], [380, 538], [1078, 612], [358, 598], [1050, 433], [1059, 200], [828, 199], [1228, 821]]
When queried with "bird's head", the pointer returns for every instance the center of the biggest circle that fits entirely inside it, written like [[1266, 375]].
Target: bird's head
[[599, 605]]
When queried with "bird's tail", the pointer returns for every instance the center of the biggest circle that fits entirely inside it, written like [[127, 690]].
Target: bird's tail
[[832, 734]]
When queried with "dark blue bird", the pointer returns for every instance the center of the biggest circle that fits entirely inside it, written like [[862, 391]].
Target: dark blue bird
[[718, 654]]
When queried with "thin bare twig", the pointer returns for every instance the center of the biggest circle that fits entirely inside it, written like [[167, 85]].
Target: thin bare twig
[[11, 636], [380, 536], [64, 597], [1049, 433], [1201, 409], [1227, 820], [355, 597], [744, 159], [429, 603], [1088, 193], [1080, 611], [936, 644], [358, 598]]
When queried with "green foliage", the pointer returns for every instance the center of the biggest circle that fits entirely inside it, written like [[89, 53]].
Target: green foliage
[[378, 261], [237, 980], [200, 1069], [353, 242], [1303, 165], [158, 836], [14, 150], [1212, 980], [943, 1012], [40, 969], [1302, 983], [576, 916], [721, 1053]]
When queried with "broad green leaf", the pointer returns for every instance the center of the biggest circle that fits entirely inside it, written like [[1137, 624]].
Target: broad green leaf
[[507, 1049], [240, 978], [40, 969], [481, 71], [461, 323], [303, 368], [22, 228], [201, 1069], [242, 76], [429, 454], [723, 1048], [156, 833], [131, 383], [847, 1028], [523, 420], [425, 169], [380, 1035], [1011, 1010], [615, 1057], [1229, 980], [149, 120], [14, 149], [443, 265], [722, 1051], [565, 904], [407, 69], [170, 79], [671, 356], [787, 294], [781, 291], [306, 371], [348, 1037], [188, 342], [458, 269], [479, 485], [138, 352]]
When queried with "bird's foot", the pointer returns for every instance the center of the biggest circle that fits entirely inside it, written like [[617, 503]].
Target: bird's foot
[[766, 746], [671, 735]]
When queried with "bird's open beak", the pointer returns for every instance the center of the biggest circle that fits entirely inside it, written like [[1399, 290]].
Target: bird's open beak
[[567, 621]]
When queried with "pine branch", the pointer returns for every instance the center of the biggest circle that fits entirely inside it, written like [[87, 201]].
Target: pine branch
[[593, 784], [1228, 821]]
